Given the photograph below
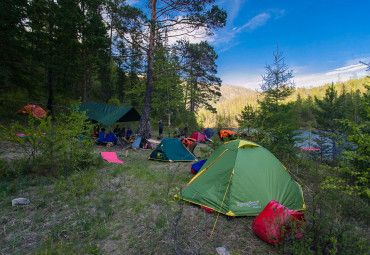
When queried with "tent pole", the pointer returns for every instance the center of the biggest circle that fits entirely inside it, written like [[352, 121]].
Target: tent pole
[[227, 188]]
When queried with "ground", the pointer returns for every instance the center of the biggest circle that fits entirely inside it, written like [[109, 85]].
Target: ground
[[119, 209]]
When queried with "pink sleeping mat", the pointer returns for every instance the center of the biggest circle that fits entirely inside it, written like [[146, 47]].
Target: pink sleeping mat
[[111, 157]]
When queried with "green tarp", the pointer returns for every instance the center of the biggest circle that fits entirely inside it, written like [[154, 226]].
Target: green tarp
[[171, 149], [109, 114], [241, 178]]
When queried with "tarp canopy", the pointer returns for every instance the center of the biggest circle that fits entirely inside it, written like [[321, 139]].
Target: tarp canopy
[[109, 114], [240, 178]]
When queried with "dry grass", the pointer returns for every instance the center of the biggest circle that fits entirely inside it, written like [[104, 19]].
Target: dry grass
[[127, 212]]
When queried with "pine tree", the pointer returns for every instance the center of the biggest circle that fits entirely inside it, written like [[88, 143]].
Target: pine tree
[[164, 17], [200, 70], [277, 119]]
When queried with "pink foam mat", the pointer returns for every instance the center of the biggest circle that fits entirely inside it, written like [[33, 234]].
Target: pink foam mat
[[111, 157]]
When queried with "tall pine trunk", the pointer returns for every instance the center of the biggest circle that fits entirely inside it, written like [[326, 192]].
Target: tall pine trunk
[[50, 63], [149, 85]]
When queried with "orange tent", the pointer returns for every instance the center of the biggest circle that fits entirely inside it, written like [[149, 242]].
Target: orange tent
[[33, 110], [226, 133]]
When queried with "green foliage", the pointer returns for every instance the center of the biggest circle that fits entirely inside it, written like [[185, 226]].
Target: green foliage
[[76, 185], [275, 119], [277, 84], [114, 101], [354, 163], [247, 118], [223, 122], [329, 109], [329, 230], [202, 85], [54, 145], [334, 223]]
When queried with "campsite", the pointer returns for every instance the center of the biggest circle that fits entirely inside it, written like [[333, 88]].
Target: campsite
[[186, 127]]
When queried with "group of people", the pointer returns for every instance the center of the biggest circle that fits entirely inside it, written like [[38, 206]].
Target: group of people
[[104, 137], [125, 135], [122, 133]]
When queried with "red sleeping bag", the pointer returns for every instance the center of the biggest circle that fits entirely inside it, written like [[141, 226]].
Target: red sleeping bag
[[275, 222]]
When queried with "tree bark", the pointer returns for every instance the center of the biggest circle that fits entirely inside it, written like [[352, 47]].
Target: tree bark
[[84, 67], [84, 77], [50, 63], [193, 95], [149, 85]]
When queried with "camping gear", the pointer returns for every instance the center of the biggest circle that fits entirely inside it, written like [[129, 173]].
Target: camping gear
[[241, 178], [109, 114], [275, 222], [136, 143], [197, 166], [171, 149], [227, 134], [199, 137], [208, 132], [111, 157], [187, 142], [206, 209], [316, 150], [33, 110]]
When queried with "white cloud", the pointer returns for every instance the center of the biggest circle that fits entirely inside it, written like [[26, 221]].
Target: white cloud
[[233, 10], [255, 22], [228, 34], [337, 75], [253, 81], [132, 2], [346, 69]]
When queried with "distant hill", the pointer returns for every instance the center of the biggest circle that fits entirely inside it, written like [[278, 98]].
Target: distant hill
[[230, 92], [234, 99]]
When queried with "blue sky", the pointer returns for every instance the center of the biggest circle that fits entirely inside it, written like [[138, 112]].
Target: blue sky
[[322, 40]]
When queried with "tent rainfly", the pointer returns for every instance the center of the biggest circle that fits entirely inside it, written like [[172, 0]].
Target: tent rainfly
[[240, 178], [171, 150], [109, 114]]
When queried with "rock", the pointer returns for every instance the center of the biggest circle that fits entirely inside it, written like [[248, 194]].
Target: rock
[[20, 201], [222, 250]]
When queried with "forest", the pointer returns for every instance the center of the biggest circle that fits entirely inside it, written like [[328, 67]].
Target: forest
[[61, 53]]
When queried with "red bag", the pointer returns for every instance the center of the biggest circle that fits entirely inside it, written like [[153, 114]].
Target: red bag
[[275, 222], [207, 209]]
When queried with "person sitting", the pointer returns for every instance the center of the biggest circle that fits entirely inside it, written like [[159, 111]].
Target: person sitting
[[117, 130], [122, 133], [106, 138], [128, 133], [96, 132], [101, 136]]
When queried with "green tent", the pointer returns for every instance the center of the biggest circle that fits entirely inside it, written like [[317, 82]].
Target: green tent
[[171, 149], [109, 114], [241, 178]]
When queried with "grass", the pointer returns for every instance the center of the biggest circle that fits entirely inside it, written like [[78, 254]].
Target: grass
[[119, 209]]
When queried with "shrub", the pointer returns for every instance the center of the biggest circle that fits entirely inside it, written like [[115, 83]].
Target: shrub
[[54, 145]]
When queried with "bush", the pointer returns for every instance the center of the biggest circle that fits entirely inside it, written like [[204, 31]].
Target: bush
[[53, 145], [334, 224]]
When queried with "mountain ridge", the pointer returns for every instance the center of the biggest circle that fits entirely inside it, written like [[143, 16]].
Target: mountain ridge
[[233, 100]]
